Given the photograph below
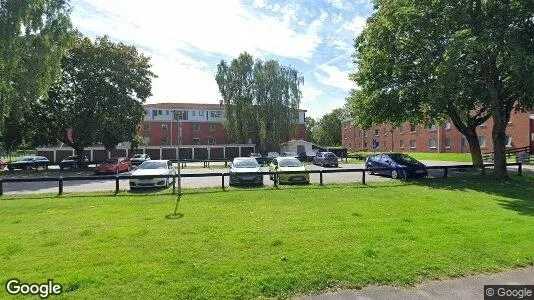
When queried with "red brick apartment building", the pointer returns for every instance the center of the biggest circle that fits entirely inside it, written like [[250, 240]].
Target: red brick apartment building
[[201, 124], [437, 138]]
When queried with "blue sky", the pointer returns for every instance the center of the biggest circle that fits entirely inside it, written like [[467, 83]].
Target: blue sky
[[187, 39]]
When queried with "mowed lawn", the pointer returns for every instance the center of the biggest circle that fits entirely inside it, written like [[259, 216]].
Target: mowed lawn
[[269, 242]]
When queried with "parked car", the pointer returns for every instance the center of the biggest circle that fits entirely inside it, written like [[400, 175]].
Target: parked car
[[326, 159], [153, 167], [307, 156], [28, 162], [283, 164], [290, 154], [139, 159], [270, 156], [113, 165], [71, 162], [259, 158], [397, 161], [239, 168]]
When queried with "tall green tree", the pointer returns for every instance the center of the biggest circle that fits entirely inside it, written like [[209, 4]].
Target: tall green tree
[[310, 126], [422, 61], [327, 131], [34, 35], [261, 100], [100, 96]]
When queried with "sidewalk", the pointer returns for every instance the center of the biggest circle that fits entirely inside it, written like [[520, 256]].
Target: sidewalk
[[471, 287]]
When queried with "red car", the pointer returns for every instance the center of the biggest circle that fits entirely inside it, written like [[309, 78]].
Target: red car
[[113, 165]]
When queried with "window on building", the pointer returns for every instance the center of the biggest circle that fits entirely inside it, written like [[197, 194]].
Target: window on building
[[364, 145], [193, 113], [447, 125], [432, 144], [146, 139], [146, 126], [166, 112], [401, 144], [215, 114], [448, 143], [508, 141], [164, 140], [160, 112], [213, 127], [211, 140], [201, 113], [196, 141], [413, 144], [196, 127], [433, 127], [164, 127], [401, 129], [384, 145], [377, 132], [482, 141], [412, 128]]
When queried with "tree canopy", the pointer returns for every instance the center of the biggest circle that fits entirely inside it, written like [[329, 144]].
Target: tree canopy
[[327, 130], [261, 100], [99, 97], [34, 35], [422, 61]]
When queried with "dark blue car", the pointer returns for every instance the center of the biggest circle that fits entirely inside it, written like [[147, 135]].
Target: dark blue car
[[400, 165]]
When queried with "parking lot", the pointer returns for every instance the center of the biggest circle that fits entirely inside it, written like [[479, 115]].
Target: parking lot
[[198, 182]]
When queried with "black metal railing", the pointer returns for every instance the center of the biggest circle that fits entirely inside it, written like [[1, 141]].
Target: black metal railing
[[275, 175]]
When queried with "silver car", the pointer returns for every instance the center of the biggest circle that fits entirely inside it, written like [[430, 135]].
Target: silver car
[[242, 172], [326, 159]]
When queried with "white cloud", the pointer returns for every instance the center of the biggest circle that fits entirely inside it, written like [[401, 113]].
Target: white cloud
[[355, 26], [339, 4], [310, 94], [221, 27], [334, 77]]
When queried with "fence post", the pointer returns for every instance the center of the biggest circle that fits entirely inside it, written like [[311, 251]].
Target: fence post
[[519, 169], [1, 187], [116, 184], [445, 172], [222, 181], [321, 177], [60, 186], [363, 177], [275, 176]]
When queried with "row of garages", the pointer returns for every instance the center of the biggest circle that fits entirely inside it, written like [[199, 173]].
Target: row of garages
[[200, 152]]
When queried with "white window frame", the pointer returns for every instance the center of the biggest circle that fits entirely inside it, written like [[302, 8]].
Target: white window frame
[[435, 146], [196, 141], [447, 125], [196, 125], [508, 141], [414, 146], [450, 143]]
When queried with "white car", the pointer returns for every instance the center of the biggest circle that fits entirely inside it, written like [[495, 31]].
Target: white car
[[153, 167]]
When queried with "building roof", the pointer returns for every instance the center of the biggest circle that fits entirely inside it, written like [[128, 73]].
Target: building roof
[[181, 105]]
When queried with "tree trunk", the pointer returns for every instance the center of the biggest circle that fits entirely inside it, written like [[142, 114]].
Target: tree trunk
[[499, 150], [80, 156], [474, 148]]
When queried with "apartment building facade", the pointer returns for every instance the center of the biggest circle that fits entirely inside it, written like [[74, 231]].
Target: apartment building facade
[[167, 124], [436, 138]]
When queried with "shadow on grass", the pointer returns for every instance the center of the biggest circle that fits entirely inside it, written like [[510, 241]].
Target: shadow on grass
[[519, 190]]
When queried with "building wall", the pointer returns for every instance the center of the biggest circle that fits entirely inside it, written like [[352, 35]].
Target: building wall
[[202, 124], [445, 137]]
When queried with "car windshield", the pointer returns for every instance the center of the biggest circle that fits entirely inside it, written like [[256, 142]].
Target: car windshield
[[403, 158], [329, 154], [111, 161], [273, 154], [27, 158], [255, 155], [293, 162], [138, 156], [70, 158], [153, 165], [291, 154], [245, 163]]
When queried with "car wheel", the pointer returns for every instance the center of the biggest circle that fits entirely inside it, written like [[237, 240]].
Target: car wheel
[[394, 174]]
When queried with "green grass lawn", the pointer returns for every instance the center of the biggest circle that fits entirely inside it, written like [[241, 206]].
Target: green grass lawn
[[268, 242]]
